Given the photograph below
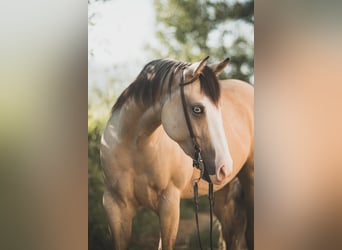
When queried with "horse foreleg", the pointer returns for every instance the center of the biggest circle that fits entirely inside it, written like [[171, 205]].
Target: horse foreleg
[[120, 215], [168, 210]]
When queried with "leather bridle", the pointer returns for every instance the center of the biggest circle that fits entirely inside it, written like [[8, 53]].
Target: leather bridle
[[198, 163]]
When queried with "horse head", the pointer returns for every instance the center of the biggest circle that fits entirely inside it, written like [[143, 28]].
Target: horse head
[[201, 123]]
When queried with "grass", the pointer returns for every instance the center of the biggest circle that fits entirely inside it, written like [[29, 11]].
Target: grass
[[205, 239], [145, 230]]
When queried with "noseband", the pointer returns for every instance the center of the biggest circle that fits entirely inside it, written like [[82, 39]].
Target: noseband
[[199, 164]]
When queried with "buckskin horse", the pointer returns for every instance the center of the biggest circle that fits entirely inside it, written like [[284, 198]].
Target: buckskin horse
[[147, 148]]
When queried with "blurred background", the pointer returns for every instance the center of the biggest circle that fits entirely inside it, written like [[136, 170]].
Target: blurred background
[[123, 37], [44, 111]]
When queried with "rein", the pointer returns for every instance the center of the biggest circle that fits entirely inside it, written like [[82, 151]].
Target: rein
[[199, 164]]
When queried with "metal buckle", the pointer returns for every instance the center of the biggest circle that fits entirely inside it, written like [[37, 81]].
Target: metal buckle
[[198, 163]]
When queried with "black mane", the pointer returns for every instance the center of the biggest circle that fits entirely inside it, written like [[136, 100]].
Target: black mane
[[147, 87]]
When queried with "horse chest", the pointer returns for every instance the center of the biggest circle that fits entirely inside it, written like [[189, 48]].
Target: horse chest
[[156, 172]]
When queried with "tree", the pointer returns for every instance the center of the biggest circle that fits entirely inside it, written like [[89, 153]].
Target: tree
[[190, 30]]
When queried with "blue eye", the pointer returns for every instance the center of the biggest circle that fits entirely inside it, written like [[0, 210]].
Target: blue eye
[[197, 109]]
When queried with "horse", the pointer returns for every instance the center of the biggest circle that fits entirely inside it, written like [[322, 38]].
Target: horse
[[147, 151]]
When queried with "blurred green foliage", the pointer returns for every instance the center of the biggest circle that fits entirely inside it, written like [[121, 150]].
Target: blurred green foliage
[[98, 233], [190, 30], [205, 239]]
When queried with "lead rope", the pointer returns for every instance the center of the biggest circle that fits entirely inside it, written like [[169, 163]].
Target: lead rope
[[196, 212], [211, 204]]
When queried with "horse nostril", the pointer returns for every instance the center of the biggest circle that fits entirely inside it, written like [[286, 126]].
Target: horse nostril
[[223, 173]]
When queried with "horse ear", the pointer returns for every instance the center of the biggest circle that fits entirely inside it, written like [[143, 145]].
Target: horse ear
[[196, 68], [217, 68]]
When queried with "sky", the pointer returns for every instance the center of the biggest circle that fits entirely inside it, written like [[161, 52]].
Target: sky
[[121, 29]]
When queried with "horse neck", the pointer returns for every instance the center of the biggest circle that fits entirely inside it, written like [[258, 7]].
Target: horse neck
[[138, 124]]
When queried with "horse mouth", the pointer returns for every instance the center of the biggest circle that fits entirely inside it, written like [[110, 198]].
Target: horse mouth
[[214, 180]]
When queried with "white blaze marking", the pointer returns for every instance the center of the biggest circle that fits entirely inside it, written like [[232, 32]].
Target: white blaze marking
[[218, 138]]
